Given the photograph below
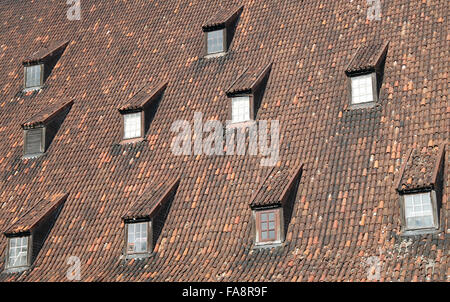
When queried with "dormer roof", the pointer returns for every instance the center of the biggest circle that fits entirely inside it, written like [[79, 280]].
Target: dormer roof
[[368, 58], [47, 114], [46, 52], [249, 81], [39, 212], [144, 97], [223, 18]]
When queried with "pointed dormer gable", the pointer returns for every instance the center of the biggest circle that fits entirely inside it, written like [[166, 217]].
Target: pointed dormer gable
[[138, 112], [29, 231], [146, 217], [219, 30], [272, 204], [39, 65], [40, 130]]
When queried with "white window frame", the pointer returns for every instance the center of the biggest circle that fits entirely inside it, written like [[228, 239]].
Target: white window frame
[[241, 112], [39, 72], [414, 207], [26, 152], [214, 35], [363, 89], [133, 120], [132, 240], [24, 247]]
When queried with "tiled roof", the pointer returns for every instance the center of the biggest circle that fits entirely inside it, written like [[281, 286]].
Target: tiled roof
[[33, 216], [154, 197], [368, 57], [421, 168], [249, 80], [47, 114], [144, 97], [276, 187], [346, 210], [45, 52], [223, 17]]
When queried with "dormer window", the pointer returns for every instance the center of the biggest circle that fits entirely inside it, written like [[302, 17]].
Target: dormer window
[[39, 65], [219, 31], [132, 125], [18, 252], [365, 73], [363, 88], [34, 141], [27, 235], [138, 238], [138, 112], [272, 205], [246, 93], [216, 41], [40, 130], [420, 188], [241, 109], [33, 76], [145, 219]]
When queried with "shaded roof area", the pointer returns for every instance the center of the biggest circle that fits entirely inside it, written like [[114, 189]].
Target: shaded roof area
[[36, 214], [421, 168]]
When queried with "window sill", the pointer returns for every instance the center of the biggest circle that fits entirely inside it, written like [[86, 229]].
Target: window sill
[[132, 140], [14, 270], [428, 231], [32, 89], [362, 105], [32, 156], [266, 245], [138, 256], [215, 55]]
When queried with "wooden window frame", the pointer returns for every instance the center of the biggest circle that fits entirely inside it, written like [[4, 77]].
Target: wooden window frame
[[428, 230], [279, 227], [375, 95], [224, 41], [29, 253], [122, 132], [42, 149], [149, 240], [41, 82]]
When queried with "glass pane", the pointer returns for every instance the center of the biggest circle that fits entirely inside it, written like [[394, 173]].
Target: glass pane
[[272, 225], [33, 76], [240, 109], [362, 91], [18, 251], [271, 234], [137, 237], [263, 235], [272, 216], [215, 41], [132, 125]]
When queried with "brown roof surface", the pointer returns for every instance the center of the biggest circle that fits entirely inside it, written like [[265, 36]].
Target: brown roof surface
[[367, 57], [421, 168], [45, 52], [346, 209], [276, 187], [33, 216], [249, 80], [153, 198], [223, 17], [47, 114]]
